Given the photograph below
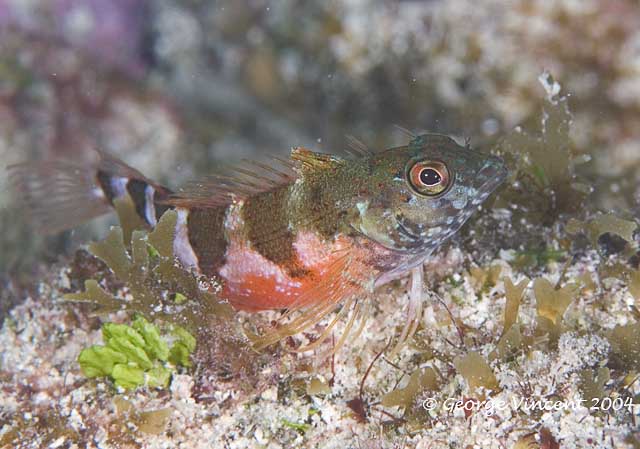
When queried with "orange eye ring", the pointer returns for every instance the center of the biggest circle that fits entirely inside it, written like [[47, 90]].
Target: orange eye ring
[[429, 178]]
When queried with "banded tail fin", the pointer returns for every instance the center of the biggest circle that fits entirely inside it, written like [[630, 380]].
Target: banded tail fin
[[59, 195]]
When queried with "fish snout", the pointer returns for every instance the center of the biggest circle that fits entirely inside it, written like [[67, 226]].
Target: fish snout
[[493, 173]]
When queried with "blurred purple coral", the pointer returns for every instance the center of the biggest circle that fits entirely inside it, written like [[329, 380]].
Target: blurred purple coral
[[111, 32]]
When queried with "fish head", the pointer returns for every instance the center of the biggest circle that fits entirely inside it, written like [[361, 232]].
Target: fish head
[[419, 195]]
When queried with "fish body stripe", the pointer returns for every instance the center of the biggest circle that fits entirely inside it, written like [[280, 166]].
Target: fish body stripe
[[269, 230], [207, 237], [104, 182], [147, 197], [137, 191], [181, 245], [149, 205]]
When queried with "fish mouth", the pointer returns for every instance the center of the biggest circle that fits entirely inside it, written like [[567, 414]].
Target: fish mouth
[[492, 175], [403, 229], [413, 240]]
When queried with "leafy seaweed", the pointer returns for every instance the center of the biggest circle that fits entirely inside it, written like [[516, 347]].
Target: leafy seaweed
[[538, 257], [592, 383], [541, 163], [603, 224], [551, 304], [476, 371], [152, 422], [183, 347], [514, 295], [135, 355], [634, 285], [423, 379], [483, 279], [158, 287], [625, 347], [510, 343], [317, 387]]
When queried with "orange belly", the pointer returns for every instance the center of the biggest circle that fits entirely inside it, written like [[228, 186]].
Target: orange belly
[[254, 293], [253, 283]]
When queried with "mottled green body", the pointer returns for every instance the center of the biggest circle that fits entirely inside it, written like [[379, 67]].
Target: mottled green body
[[369, 197]]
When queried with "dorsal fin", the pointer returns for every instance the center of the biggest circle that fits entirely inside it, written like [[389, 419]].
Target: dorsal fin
[[357, 148], [410, 134], [308, 160], [240, 180], [247, 178]]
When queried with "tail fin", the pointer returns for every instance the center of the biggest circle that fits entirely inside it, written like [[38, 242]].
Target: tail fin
[[59, 195]]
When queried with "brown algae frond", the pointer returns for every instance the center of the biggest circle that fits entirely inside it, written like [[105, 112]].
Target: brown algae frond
[[542, 164], [420, 381], [514, 295], [476, 371], [625, 347], [551, 304], [158, 287]]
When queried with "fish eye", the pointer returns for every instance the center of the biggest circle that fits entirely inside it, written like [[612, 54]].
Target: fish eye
[[429, 178]]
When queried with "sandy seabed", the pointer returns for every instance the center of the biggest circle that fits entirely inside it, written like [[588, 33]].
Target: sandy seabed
[[47, 403]]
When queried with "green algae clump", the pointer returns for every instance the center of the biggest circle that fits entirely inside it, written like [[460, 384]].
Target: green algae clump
[[183, 347], [136, 355]]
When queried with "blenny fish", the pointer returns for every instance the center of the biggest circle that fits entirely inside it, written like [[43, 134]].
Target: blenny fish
[[306, 234]]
